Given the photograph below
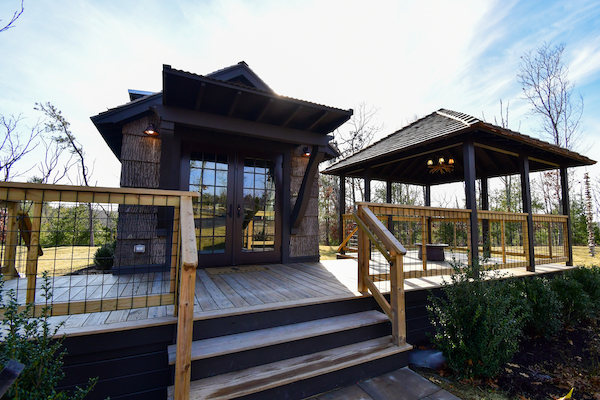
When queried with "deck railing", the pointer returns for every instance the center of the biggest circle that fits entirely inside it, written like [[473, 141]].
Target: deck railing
[[503, 238], [372, 232], [56, 230]]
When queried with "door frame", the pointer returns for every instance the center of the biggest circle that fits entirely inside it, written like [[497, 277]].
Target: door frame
[[234, 255]]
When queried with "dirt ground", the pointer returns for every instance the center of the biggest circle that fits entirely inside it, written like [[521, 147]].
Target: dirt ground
[[543, 369]]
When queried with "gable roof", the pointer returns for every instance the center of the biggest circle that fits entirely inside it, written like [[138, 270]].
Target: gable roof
[[443, 131], [241, 74], [242, 96]]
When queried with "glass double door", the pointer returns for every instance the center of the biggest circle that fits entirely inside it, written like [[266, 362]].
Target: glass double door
[[235, 216]]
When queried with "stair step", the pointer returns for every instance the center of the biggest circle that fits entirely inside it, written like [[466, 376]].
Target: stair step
[[223, 345], [256, 379]]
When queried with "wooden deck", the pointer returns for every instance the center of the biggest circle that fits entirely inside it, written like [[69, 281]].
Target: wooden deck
[[221, 292]]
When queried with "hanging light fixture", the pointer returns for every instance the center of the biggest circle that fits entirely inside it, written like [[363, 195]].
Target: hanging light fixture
[[151, 130], [442, 166]]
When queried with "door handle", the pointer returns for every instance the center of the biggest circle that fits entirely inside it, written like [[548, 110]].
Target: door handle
[[239, 209]]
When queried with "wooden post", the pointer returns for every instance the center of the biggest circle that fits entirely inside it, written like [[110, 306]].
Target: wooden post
[[9, 271], [503, 234], [397, 301], [342, 211], [470, 176], [566, 210], [526, 194], [364, 249], [485, 223], [424, 241], [367, 179], [185, 320], [33, 252], [550, 239]]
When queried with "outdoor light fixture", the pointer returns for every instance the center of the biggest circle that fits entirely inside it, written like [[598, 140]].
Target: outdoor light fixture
[[151, 130], [306, 151], [442, 166]]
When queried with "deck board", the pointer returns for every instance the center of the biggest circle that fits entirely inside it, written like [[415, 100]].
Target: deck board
[[277, 286]]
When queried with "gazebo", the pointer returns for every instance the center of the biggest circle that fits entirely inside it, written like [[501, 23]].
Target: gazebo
[[448, 146]]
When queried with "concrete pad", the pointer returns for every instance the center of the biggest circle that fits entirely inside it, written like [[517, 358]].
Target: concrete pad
[[402, 384], [442, 395], [348, 393]]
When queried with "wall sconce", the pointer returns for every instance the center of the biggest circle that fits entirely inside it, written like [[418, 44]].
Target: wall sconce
[[151, 130], [306, 151]]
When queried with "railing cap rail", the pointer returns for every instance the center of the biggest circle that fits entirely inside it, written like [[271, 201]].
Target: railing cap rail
[[384, 234], [389, 205], [96, 189]]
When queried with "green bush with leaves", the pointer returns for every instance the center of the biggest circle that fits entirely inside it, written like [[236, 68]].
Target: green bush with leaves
[[544, 316], [576, 303], [105, 256], [30, 341], [589, 278], [477, 325]]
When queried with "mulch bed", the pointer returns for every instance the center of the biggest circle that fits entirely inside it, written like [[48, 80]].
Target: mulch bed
[[543, 369], [548, 369]]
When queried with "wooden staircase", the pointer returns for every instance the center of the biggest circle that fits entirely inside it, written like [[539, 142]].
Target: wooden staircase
[[290, 361], [291, 353]]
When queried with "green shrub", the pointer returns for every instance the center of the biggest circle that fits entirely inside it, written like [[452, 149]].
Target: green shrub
[[544, 316], [105, 256], [589, 278], [477, 325], [29, 340], [575, 301]]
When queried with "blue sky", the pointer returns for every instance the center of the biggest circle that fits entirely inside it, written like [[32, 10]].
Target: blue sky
[[406, 57]]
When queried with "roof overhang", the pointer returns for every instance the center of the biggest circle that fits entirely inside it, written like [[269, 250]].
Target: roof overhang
[[206, 103]]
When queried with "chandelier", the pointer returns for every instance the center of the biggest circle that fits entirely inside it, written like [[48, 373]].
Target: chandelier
[[442, 166]]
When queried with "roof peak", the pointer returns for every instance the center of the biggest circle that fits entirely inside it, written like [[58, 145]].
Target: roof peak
[[466, 119]]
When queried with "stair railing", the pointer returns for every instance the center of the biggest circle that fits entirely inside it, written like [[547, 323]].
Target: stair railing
[[185, 317], [371, 230]]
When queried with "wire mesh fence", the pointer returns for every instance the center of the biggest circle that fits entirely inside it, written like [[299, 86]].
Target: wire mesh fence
[[95, 249], [438, 240]]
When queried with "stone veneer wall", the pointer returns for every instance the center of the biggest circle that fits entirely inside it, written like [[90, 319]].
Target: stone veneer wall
[[306, 242], [140, 168]]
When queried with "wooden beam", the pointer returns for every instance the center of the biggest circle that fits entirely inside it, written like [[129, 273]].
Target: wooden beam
[[200, 96], [219, 123], [321, 117], [292, 115], [234, 103], [301, 205], [264, 110]]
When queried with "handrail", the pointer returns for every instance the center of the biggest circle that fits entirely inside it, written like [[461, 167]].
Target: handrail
[[185, 319], [372, 230], [347, 239]]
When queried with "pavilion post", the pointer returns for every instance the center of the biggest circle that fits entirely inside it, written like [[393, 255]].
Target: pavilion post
[[485, 223], [388, 199], [342, 210], [566, 209], [526, 193], [428, 204], [470, 176], [367, 179]]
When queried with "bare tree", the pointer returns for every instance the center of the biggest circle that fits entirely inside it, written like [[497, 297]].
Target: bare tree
[[362, 130], [15, 16], [58, 125], [545, 81], [15, 145]]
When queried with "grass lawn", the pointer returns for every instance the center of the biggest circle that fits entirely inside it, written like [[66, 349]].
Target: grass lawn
[[327, 252], [581, 256], [58, 260]]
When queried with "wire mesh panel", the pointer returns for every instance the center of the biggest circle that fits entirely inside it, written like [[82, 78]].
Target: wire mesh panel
[[502, 239], [550, 238], [90, 249]]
